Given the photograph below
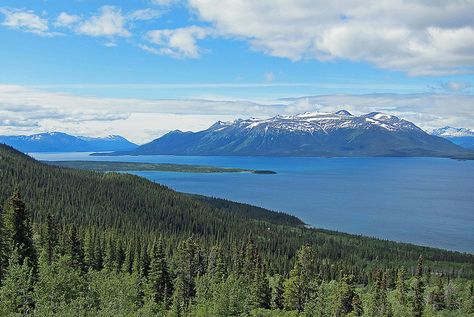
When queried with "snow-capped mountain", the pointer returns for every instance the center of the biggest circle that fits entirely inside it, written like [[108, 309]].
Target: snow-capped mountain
[[452, 132], [317, 122], [306, 134], [62, 142], [460, 136]]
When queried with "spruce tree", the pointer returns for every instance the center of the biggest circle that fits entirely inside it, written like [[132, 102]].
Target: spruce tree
[[188, 267], [276, 292], [251, 260], [17, 230], [159, 278], [299, 286], [127, 266], [3, 249], [74, 249], [110, 258], [418, 290], [380, 306], [216, 264], [260, 293], [437, 296], [50, 239], [401, 286], [16, 293], [470, 299], [344, 299], [90, 261]]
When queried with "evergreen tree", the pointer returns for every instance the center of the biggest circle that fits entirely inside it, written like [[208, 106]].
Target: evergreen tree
[[216, 264], [276, 284], [50, 239], [120, 256], [470, 299], [127, 266], [260, 293], [300, 285], [380, 306], [251, 261], [16, 293], [344, 299], [159, 278], [401, 286], [418, 290], [90, 261], [17, 230], [74, 249], [3, 249], [110, 258], [98, 263], [452, 296], [189, 266], [437, 296]]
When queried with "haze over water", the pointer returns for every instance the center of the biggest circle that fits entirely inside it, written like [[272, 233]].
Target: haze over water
[[426, 201]]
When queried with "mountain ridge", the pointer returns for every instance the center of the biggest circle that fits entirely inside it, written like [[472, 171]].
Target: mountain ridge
[[305, 134], [459, 136], [63, 142]]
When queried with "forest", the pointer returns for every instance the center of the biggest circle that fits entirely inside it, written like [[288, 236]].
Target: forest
[[83, 243]]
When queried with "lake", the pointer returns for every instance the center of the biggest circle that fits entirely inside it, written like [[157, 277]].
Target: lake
[[426, 201]]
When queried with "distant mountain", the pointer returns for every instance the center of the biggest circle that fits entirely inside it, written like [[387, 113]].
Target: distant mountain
[[62, 142], [460, 136], [307, 134]]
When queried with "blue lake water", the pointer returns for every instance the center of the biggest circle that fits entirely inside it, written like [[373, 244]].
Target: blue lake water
[[426, 201]]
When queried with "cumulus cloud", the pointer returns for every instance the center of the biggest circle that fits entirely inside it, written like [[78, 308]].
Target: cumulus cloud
[[178, 43], [65, 19], [416, 37], [110, 22], [33, 110], [26, 21]]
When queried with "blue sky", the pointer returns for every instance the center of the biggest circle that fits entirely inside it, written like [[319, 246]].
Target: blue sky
[[101, 67]]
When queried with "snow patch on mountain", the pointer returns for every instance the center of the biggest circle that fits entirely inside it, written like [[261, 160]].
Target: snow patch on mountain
[[311, 122], [452, 132]]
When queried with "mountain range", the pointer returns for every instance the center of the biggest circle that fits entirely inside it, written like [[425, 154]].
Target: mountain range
[[306, 134], [460, 136], [62, 142]]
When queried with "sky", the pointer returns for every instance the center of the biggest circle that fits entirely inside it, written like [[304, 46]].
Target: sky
[[142, 68]]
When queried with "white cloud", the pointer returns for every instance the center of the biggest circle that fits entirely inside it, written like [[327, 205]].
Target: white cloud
[[179, 43], [109, 22], [426, 110], [26, 21], [453, 87], [30, 110], [149, 49], [66, 20], [164, 2], [417, 37], [144, 14]]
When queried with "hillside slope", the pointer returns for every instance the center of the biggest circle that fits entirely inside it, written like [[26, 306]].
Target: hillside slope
[[135, 207]]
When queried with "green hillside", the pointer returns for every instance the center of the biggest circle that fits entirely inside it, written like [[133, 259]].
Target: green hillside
[[102, 235]]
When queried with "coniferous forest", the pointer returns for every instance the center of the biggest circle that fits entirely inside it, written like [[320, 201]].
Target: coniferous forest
[[79, 243]]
